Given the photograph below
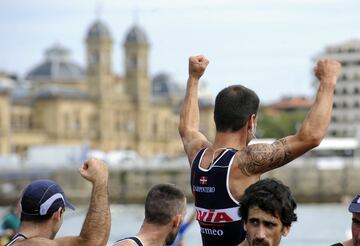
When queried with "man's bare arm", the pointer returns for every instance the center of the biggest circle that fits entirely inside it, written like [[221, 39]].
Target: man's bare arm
[[260, 158], [191, 137], [96, 227]]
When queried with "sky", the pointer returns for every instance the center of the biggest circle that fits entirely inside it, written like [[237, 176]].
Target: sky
[[269, 46]]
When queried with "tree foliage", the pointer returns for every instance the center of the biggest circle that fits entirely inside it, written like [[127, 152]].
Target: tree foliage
[[277, 124]]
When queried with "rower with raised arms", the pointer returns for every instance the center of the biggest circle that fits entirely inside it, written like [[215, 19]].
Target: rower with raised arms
[[222, 170]]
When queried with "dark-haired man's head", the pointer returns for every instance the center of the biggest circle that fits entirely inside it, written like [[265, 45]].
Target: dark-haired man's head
[[267, 208], [165, 205], [43, 201], [236, 107]]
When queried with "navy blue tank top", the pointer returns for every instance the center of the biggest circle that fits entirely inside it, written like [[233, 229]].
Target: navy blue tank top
[[135, 239], [16, 237], [216, 208]]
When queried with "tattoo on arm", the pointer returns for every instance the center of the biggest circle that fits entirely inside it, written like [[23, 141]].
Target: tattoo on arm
[[260, 158]]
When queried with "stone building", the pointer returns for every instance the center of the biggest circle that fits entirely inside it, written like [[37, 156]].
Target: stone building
[[346, 108], [62, 103]]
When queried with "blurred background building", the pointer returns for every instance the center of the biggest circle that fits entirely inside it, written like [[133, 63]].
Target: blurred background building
[[346, 107], [59, 102]]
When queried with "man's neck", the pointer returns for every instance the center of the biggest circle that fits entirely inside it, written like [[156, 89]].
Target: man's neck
[[30, 230], [236, 140], [348, 243], [153, 235]]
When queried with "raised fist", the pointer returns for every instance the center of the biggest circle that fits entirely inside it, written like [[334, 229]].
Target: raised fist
[[95, 171], [327, 71], [197, 66]]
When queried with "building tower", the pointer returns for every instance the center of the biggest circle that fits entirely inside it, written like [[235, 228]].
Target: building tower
[[101, 80], [138, 84], [99, 59]]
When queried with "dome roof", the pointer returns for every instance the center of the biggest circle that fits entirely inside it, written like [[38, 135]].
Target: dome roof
[[164, 86], [57, 66], [136, 35], [98, 30]]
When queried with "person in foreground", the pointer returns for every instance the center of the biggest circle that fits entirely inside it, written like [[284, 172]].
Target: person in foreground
[[165, 208], [267, 208], [43, 203], [221, 171], [354, 208]]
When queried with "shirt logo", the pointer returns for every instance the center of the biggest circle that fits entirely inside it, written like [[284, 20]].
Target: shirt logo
[[217, 215], [203, 180]]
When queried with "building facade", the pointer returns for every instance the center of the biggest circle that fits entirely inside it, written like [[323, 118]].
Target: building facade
[[62, 103], [346, 108]]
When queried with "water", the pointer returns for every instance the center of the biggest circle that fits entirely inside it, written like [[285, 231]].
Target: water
[[318, 224]]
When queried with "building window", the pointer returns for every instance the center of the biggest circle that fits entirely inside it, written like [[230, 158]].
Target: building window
[[155, 128], [95, 57], [344, 91], [66, 121], [130, 126], [356, 90], [76, 123]]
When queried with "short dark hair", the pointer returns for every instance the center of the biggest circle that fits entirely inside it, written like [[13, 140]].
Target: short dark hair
[[271, 196], [233, 107], [36, 219], [163, 202]]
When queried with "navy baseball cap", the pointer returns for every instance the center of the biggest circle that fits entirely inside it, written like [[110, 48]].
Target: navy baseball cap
[[355, 204], [43, 197]]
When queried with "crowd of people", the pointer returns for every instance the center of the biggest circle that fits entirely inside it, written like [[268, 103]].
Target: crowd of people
[[233, 205]]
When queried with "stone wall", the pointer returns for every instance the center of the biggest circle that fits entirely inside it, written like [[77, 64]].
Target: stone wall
[[308, 184]]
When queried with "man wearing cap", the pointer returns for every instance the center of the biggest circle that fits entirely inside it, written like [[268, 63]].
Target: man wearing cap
[[354, 208], [43, 203]]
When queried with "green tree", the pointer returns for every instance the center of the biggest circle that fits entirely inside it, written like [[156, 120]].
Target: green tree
[[277, 124]]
